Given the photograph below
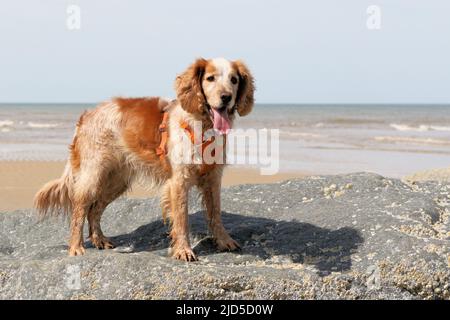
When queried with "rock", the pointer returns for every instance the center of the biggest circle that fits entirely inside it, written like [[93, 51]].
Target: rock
[[378, 238]]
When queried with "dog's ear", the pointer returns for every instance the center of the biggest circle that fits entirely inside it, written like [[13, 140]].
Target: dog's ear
[[188, 87], [246, 89]]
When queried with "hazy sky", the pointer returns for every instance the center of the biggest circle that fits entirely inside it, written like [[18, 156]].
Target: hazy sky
[[299, 51]]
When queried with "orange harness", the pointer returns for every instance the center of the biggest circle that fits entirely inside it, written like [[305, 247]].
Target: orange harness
[[161, 151]]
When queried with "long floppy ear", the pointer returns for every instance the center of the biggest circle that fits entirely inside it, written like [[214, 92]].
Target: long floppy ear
[[188, 87], [246, 89]]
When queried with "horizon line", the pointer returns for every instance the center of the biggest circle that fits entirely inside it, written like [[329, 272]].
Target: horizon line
[[256, 103]]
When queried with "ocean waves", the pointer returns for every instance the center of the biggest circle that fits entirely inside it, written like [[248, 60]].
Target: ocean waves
[[7, 125], [419, 128], [413, 140], [414, 129], [38, 125]]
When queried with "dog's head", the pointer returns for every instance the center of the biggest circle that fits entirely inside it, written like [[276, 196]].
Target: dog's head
[[216, 88]]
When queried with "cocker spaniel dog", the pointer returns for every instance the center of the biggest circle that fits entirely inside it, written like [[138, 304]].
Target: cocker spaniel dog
[[124, 139]]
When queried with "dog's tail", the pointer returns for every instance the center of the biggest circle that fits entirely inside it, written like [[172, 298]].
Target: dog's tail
[[54, 197]]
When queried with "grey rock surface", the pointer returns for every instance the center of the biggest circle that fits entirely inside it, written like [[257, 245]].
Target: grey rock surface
[[356, 236]]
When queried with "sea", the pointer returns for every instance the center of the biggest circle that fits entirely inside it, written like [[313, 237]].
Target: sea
[[392, 140]]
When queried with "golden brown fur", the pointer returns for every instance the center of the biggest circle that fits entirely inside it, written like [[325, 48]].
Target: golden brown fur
[[117, 142]]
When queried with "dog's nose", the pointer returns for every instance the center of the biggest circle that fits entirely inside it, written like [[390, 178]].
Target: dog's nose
[[226, 98]]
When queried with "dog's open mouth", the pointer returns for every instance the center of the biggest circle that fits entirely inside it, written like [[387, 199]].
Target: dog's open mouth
[[220, 119]]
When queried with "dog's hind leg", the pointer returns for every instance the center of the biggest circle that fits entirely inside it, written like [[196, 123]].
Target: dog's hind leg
[[96, 235], [80, 209], [88, 189], [110, 192]]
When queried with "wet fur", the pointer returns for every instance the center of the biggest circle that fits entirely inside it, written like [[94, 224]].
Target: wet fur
[[115, 144]]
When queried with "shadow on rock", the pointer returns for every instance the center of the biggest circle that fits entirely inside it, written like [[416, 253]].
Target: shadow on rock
[[328, 250]]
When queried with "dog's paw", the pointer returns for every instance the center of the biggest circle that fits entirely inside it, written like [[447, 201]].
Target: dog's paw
[[185, 254], [227, 244], [102, 242], [76, 251]]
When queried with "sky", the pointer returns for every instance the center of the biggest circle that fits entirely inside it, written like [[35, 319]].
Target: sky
[[319, 51]]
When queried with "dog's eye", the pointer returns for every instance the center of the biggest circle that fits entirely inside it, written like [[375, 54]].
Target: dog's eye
[[234, 80], [210, 78]]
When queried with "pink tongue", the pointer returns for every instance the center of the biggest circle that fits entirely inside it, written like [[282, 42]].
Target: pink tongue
[[221, 121]]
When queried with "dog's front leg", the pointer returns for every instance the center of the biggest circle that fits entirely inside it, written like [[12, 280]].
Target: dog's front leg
[[210, 187], [181, 248]]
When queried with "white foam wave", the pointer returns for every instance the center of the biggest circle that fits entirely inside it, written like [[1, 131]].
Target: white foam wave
[[42, 125], [6, 123], [420, 128], [440, 128], [413, 140], [302, 134]]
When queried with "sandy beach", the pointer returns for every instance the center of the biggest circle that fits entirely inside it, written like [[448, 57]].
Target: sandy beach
[[19, 180], [440, 174]]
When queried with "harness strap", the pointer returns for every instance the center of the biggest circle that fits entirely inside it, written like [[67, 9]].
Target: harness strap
[[161, 151], [184, 125], [204, 168]]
